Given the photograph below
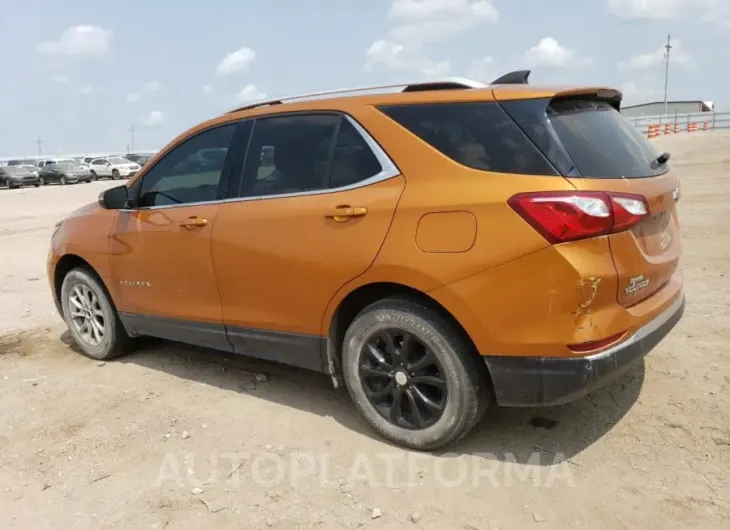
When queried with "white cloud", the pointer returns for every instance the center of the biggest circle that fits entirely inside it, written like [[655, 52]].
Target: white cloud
[[416, 24], [207, 89], [152, 86], [395, 56], [714, 11], [61, 79], [414, 9], [649, 60], [78, 41], [549, 52], [235, 62], [156, 117], [134, 97], [647, 9], [87, 90], [483, 70], [249, 93], [641, 91]]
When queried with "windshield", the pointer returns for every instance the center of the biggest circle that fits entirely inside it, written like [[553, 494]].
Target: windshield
[[118, 160], [601, 142]]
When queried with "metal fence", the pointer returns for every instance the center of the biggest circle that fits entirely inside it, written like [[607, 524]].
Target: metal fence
[[681, 123]]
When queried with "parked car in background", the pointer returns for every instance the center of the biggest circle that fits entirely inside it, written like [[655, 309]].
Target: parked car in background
[[139, 158], [45, 161], [22, 162], [64, 173], [17, 176], [30, 167], [113, 167]]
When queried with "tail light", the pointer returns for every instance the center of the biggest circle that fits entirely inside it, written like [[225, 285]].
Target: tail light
[[562, 216]]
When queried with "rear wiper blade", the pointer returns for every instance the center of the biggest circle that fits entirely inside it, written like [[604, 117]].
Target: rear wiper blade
[[660, 160]]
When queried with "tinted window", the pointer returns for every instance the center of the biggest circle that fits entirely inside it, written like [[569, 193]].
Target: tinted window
[[601, 142], [191, 172], [477, 135], [353, 160], [289, 154]]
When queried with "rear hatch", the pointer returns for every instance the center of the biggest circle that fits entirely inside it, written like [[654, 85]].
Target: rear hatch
[[597, 150]]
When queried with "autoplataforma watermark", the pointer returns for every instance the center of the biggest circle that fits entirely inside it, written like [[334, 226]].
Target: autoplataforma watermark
[[390, 469]]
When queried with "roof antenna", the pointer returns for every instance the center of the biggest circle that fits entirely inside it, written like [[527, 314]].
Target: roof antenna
[[513, 78]]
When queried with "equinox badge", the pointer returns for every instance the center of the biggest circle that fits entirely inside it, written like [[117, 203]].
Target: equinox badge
[[636, 284]]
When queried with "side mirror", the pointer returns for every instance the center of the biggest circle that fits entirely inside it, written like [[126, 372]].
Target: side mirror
[[116, 198]]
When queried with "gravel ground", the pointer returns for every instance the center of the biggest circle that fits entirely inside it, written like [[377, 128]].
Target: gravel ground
[[177, 437]]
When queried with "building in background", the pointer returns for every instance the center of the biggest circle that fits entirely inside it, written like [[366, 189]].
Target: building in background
[[673, 107]]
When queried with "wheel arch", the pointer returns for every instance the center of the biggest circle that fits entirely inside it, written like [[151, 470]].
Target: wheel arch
[[364, 295], [66, 264]]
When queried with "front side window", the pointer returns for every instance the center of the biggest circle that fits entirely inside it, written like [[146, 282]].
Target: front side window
[[191, 172], [289, 154]]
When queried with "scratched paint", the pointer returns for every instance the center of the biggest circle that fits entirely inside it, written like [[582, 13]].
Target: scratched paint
[[588, 291]]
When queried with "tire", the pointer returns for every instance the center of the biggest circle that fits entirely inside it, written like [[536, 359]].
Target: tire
[[458, 368], [36, 185], [94, 176], [115, 174], [63, 180], [114, 340]]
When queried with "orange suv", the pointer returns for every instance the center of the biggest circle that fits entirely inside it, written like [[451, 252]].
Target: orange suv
[[436, 246]]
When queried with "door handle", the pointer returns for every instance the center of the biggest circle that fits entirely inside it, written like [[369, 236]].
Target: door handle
[[343, 213], [193, 222]]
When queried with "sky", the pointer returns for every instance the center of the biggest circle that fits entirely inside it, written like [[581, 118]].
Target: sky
[[79, 74]]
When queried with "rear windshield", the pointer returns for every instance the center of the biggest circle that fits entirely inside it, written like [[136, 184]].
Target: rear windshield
[[477, 135], [600, 141]]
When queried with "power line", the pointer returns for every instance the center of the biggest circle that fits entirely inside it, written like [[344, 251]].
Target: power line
[[668, 47]]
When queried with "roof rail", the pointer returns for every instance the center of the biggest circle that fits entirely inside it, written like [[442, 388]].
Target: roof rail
[[513, 78], [443, 84]]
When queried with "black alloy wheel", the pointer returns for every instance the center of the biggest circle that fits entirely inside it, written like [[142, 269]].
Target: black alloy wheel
[[403, 379]]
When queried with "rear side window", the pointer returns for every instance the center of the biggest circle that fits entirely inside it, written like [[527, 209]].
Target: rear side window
[[601, 142], [477, 135], [289, 154]]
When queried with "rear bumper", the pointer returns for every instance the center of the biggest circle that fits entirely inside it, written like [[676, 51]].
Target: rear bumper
[[545, 381]]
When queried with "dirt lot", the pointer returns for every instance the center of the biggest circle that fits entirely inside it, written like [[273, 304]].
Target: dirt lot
[[176, 437]]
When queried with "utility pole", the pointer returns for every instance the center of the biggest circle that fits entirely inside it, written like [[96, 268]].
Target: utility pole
[[131, 131], [40, 144], [668, 47]]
